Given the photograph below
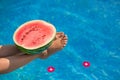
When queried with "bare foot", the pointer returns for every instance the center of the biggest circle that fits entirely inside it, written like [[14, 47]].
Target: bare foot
[[59, 42]]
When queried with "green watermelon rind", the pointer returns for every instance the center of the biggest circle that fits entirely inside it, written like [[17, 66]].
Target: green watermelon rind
[[34, 51]]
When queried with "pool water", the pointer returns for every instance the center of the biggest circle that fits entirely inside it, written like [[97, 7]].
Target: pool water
[[93, 29]]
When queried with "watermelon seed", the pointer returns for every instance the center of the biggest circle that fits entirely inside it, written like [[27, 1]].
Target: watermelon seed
[[43, 35], [34, 42], [23, 36], [37, 26], [33, 29], [27, 32], [30, 30], [22, 40], [36, 29]]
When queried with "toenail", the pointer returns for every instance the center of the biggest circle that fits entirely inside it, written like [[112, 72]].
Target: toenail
[[64, 45]]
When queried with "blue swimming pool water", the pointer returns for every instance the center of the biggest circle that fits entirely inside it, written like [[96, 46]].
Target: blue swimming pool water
[[93, 28]]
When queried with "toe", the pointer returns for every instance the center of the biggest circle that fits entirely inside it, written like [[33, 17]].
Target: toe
[[64, 40], [64, 43], [65, 37], [59, 34]]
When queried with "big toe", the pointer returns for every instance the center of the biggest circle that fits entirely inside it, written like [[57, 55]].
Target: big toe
[[59, 34]]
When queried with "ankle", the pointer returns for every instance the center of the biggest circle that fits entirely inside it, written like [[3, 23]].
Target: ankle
[[43, 54]]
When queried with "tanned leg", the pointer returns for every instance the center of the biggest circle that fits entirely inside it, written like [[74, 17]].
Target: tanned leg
[[8, 50], [10, 63]]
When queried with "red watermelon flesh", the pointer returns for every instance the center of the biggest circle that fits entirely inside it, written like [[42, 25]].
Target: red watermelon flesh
[[34, 34]]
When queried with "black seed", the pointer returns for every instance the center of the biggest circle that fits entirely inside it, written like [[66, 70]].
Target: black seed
[[27, 32], [34, 42]]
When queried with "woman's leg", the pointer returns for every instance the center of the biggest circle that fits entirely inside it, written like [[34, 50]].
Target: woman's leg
[[8, 64], [8, 50], [11, 63]]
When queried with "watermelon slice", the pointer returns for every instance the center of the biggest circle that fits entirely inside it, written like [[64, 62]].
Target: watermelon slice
[[34, 36]]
